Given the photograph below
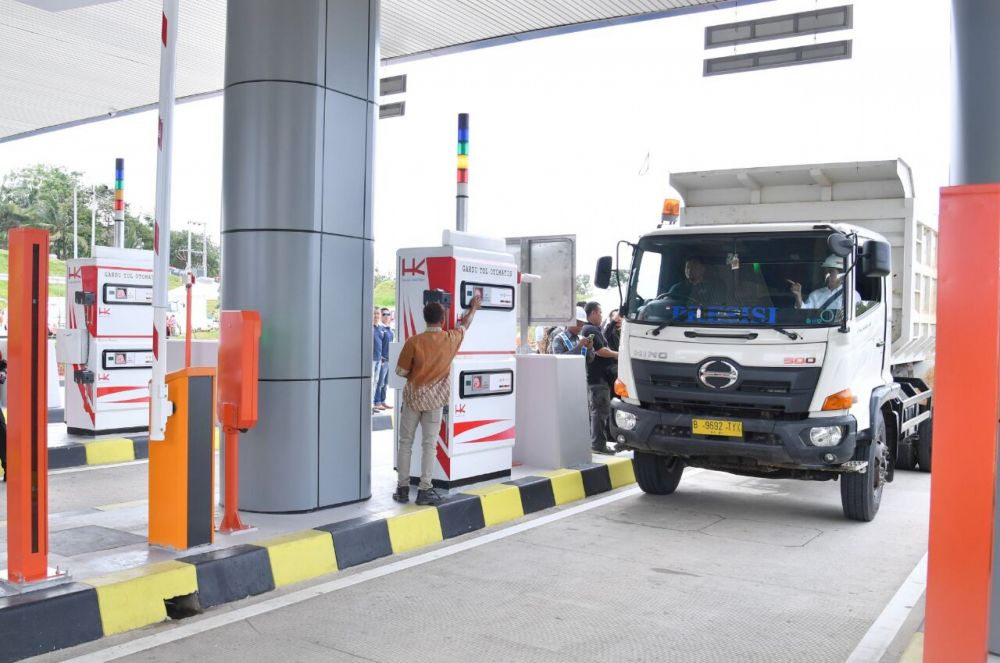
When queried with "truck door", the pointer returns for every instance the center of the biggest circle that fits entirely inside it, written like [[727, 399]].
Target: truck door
[[870, 327]]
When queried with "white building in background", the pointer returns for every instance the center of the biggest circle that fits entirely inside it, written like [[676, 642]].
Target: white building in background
[[203, 291]]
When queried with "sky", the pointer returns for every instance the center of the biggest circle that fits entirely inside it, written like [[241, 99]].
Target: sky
[[577, 134]]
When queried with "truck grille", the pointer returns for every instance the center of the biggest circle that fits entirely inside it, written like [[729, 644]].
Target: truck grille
[[776, 393]]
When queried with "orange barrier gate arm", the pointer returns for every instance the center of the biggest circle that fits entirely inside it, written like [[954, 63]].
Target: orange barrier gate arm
[[27, 425], [239, 349]]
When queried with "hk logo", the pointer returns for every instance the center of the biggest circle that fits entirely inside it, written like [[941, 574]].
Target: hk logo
[[75, 274], [104, 377], [460, 408], [415, 268], [104, 311]]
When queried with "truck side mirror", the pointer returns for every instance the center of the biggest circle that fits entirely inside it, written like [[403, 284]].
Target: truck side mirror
[[602, 275], [840, 244], [876, 259]]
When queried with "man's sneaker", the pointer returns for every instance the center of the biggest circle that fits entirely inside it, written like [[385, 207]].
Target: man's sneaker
[[603, 449], [428, 497], [402, 494]]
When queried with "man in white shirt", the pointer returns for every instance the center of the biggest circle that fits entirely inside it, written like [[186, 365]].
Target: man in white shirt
[[829, 296]]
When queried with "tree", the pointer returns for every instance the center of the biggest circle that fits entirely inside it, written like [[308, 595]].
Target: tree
[[583, 288], [42, 196], [618, 276]]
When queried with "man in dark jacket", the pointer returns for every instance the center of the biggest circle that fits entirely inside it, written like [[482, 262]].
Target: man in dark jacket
[[598, 392], [383, 376]]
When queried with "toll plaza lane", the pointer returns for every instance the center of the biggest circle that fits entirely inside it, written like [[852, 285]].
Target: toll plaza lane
[[726, 569]]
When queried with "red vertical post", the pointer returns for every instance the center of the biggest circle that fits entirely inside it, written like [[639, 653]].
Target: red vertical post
[[231, 521], [189, 278], [27, 485], [967, 396]]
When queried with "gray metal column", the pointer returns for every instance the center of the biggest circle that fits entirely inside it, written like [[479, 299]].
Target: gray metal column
[[297, 241], [975, 98], [975, 159]]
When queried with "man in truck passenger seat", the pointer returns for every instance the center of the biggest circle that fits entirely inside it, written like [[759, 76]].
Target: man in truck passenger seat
[[694, 289], [830, 296]]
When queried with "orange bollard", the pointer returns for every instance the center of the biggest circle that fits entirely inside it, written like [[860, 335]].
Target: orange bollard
[[239, 345], [967, 395], [27, 426]]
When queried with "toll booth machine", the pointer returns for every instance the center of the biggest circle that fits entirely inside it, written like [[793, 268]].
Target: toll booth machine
[[477, 431], [107, 347]]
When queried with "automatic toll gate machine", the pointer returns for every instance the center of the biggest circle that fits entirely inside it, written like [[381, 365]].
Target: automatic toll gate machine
[[477, 431], [107, 348]]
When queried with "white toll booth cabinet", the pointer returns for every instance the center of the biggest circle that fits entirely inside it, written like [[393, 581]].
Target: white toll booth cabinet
[[477, 430], [107, 347]]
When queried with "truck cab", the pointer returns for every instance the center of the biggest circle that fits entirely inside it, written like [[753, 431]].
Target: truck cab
[[765, 347]]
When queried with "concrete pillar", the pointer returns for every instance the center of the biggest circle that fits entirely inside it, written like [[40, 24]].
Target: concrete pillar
[[297, 241], [976, 96]]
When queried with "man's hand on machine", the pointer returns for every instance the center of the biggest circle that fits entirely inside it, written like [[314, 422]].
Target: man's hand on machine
[[474, 306]]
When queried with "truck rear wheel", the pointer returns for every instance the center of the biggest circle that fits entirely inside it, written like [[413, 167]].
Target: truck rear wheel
[[861, 494], [924, 445], [906, 457], [657, 475]]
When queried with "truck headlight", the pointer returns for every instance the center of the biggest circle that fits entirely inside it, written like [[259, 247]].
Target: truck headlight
[[826, 436], [624, 420]]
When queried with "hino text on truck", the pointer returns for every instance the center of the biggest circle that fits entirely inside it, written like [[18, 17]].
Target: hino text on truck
[[782, 328]]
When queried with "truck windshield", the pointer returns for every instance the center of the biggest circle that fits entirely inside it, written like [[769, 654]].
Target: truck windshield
[[725, 280]]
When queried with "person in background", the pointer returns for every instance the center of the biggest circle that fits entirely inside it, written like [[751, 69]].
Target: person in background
[[569, 341], [605, 360], [3, 422], [545, 345], [613, 330], [376, 356], [425, 361], [383, 375]]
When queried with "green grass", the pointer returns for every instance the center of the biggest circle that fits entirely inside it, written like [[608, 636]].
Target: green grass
[[385, 294]]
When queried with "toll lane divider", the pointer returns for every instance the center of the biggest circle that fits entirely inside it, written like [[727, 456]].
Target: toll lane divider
[[99, 452], [46, 620]]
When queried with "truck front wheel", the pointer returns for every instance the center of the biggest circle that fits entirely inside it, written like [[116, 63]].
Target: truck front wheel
[[657, 475], [861, 494]]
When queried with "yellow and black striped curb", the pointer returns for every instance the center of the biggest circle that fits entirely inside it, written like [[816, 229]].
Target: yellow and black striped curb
[[105, 451], [47, 620]]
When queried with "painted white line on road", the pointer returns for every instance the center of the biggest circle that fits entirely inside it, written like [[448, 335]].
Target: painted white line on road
[[881, 634], [88, 468], [191, 629]]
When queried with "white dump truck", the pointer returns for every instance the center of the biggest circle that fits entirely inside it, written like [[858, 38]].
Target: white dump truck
[[781, 327]]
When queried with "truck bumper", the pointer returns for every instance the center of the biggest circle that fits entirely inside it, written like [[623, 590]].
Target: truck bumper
[[769, 442]]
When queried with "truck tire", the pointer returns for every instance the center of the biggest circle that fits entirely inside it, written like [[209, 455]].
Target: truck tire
[[924, 445], [861, 494], [657, 475], [906, 457]]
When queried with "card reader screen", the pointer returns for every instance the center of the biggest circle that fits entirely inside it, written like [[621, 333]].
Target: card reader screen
[[119, 293], [112, 360], [486, 383], [500, 297]]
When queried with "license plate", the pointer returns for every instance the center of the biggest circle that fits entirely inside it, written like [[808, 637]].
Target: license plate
[[717, 427]]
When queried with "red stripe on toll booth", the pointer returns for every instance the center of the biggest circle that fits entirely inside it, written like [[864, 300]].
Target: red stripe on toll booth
[[504, 435], [163, 30], [462, 426]]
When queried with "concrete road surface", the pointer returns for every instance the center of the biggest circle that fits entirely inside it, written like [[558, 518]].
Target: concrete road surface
[[726, 569]]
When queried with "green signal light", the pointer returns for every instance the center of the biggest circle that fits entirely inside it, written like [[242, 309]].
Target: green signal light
[[756, 268]]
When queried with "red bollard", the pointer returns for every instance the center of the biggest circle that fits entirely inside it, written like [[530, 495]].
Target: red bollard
[[239, 344], [188, 284], [27, 425]]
